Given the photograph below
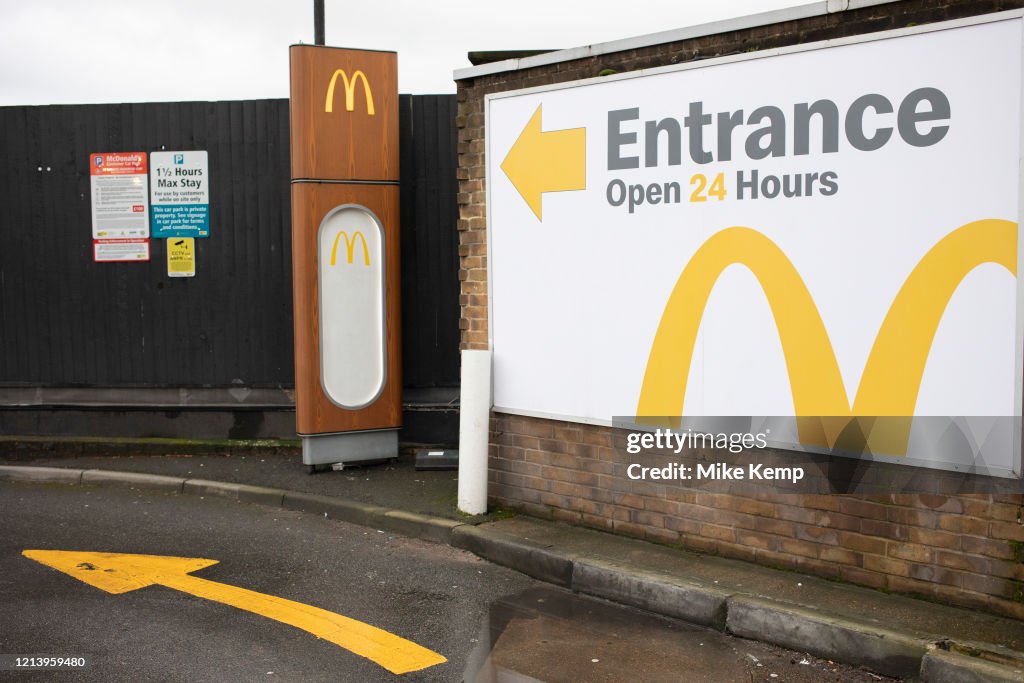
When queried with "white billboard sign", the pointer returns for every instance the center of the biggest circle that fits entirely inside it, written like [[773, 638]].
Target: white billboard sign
[[822, 231]]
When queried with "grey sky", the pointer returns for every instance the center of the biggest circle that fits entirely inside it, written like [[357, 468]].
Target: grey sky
[[75, 51]]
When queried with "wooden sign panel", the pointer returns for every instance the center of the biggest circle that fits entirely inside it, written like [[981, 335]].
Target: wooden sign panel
[[344, 114], [311, 203], [345, 229]]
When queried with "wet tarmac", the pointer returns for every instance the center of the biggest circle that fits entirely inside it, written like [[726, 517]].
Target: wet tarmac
[[551, 635]]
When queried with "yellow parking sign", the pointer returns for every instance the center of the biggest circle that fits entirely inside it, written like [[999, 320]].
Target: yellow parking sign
[[181, 257]]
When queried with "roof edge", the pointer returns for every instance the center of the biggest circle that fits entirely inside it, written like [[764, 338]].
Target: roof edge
[[814, 9]]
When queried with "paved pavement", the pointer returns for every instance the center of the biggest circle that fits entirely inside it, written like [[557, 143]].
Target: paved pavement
[[892, 635]]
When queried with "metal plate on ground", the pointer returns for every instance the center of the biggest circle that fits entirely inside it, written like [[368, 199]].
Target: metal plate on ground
[[437, 459]]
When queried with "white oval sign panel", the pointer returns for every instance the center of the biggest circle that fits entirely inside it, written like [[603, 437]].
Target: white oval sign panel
[[353, 353]]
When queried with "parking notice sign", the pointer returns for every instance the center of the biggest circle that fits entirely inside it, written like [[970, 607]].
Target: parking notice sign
[[180, 194], [120, 205]]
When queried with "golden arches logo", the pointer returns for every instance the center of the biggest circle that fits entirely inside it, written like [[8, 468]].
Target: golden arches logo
[[892, 376], [350, 91], [350, 246]]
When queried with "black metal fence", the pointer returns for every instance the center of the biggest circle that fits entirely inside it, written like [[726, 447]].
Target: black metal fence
[[66, 321], [430, 259]]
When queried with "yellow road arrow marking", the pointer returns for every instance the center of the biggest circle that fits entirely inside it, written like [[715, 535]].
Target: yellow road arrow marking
[[540, 162], [117, 573]]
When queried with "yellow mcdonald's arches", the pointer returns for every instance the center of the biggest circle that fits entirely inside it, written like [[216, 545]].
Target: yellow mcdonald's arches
[[350, 246], [350, 88], [893, 373]]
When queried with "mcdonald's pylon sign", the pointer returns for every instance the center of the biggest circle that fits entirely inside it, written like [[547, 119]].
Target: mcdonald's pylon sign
[[345, 252], [343, 108], [350, 91]]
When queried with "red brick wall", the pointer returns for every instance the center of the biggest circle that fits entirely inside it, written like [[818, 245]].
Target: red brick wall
[[967, 550]]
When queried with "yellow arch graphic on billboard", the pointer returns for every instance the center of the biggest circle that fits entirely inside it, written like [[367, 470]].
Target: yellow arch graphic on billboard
[[350, 91], [350, 246], [892, 375]]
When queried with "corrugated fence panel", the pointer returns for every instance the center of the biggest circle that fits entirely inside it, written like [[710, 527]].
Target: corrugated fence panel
[[67, 321], [430, 260]]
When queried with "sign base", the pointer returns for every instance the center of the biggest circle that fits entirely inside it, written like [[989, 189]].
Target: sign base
[[324, 449]]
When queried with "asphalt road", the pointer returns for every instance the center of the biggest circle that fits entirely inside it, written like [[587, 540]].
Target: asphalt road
[[432, 595], [490, 623]]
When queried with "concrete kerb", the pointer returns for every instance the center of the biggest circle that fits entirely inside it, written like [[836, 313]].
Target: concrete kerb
[[508, 551], [824, 635], [243, 493], [652, 592], [425, 527], [40, 475], [140, 480], [747, 616], [940, 666], [334, 508]]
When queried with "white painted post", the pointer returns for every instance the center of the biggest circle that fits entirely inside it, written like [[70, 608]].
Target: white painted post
[[474, 430]]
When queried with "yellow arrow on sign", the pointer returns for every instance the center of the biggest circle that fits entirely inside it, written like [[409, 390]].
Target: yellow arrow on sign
[[116, 573], [540, 162]]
